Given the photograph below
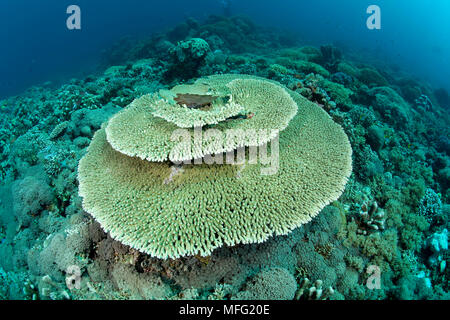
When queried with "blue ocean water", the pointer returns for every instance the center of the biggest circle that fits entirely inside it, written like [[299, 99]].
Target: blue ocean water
[[37, 46]]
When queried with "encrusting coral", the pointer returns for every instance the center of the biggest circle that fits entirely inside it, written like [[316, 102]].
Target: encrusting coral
[[274, 284], [204, 207]]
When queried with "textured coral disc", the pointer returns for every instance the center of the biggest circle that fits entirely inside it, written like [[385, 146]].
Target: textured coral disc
[[184, 116], [169, 212], [196, 105], [136, 132]]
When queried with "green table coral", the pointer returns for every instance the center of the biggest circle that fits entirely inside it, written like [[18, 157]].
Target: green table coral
[[136, 132], [189, 106], [173, 211]]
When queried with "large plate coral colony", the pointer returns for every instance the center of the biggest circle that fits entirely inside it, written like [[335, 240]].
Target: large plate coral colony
[[201, 164]]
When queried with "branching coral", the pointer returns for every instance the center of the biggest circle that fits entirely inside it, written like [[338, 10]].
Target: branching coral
[[430, 205], [12, 285], [313, 291], [51, 290], [371, 218], [423, 103], [187, 57], [195, 48]]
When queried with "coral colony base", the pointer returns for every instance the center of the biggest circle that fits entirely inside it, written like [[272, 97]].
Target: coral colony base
[[205, 164]]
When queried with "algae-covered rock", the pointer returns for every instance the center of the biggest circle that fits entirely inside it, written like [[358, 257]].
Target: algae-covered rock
[[372, 77]]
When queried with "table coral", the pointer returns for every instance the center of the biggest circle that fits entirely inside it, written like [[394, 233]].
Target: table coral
[[207, 206], [136, 132]]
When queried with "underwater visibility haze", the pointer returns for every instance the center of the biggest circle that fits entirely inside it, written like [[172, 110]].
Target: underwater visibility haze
[[224, 150]]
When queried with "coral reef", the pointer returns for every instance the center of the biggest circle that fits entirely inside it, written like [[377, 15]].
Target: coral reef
[[188, 56], [389, 227]]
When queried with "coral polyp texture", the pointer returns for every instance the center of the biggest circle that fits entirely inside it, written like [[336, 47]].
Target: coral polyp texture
[[201, 111], [170, 211], [189, 106], [136, 132]]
